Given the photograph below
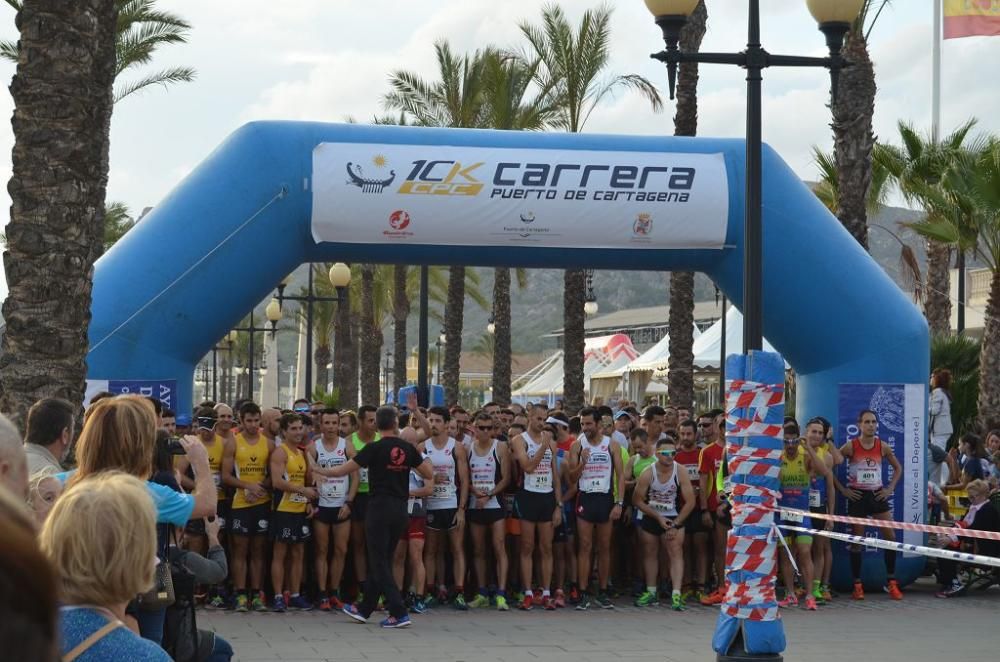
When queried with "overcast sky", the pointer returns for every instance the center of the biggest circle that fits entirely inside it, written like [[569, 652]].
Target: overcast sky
[[326, 59]]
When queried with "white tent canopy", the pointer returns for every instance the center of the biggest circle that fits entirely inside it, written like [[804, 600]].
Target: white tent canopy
[[600, 354], [708, 346], [635, 378]]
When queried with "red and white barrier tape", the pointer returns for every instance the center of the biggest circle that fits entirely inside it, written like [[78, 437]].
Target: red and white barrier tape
[[904, 526], [900, 547]]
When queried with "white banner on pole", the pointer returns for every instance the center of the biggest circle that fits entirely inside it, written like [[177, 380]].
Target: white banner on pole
[[476, 196], [912, 459]]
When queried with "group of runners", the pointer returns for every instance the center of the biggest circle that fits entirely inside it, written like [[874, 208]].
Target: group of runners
[[552, 511]]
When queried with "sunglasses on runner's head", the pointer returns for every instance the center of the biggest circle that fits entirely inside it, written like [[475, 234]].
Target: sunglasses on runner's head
[[206, 422]]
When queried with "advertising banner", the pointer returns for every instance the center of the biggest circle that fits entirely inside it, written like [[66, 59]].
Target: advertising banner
[[900, 410], [163, 389], [476, 196]]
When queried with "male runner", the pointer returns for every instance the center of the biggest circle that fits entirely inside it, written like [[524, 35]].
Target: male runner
[[564, 535], [292, 508], [269, 426], [661, 525], [821, 492], [798, 462], [696, 535], [446, 506], [594, 460], [537, 502], [489, 472], [244, 470], [714, 512], [365, 434], [333, 517], [652, 422], [389, 461], [868, 495]]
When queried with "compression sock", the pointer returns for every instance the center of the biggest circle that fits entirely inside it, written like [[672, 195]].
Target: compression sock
[[890, 563], [856, 564]]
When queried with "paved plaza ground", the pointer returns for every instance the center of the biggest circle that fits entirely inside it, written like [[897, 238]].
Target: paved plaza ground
[[920, 629]]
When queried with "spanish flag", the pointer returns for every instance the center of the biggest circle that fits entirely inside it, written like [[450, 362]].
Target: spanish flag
[[971, 18]]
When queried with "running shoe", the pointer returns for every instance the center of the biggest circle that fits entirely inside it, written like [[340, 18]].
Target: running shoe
[[460, 604], [811, 602], [716, 598], [827, 596], [560, 598], [526, 603], [789, 601], [951, 590], [697, 596], [604, 600], [442, 596], [518, 597], [584, 603], [242, 604], [393, 622], [893, 590], [336, 602], [258, 603], [216, 603], [859, 592], [478, 602], [324, 604], [677, 603], [574, 595], [279, 605], [419, 606], [299, 603], [352, 611], [548, 603], [638, 588], [502, 603], [647, 599]]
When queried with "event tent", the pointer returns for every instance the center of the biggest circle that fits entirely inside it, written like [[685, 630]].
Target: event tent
[[708, 346], [635, 379], [600, 354]]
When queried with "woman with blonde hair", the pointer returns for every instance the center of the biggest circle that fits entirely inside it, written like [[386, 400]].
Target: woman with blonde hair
[[983, 516], [43, 490], [101, 540]]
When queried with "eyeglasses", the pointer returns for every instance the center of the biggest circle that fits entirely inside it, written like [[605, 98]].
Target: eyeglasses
[[484, 428]]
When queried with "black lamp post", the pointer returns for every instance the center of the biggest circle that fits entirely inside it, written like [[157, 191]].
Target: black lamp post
[[225, 346], [590, 306], [340, 278], [439, 344], [387, 371], [835, 18], [273, 312]]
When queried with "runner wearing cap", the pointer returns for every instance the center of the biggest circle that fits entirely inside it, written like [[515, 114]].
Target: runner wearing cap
[[868, 495]]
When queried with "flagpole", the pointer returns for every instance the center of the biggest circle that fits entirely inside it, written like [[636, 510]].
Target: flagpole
[[936, 77]]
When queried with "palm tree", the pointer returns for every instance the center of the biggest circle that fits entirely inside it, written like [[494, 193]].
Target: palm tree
[[574, 67], [141, 29], [916, 169], [323, 323], [405, 288], [852, 124], [680, 380], [117, 221], [964, 212], [456, 100], [62, 116]]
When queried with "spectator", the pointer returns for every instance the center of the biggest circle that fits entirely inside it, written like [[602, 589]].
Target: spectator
[[983, 516], [43, 490], [101, 538], [940, 428], [48, 434], [13, 461], [971, 448], [28, 615]]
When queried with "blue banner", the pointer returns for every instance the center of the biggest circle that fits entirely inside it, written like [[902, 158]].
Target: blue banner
[[165, 390]]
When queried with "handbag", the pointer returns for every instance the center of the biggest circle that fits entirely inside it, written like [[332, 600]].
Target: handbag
[[161, 595]]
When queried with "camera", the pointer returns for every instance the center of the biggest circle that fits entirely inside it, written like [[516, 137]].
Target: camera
[[174, 447]]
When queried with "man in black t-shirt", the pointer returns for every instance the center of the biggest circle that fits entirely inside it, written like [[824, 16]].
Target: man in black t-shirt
[[388, 461]]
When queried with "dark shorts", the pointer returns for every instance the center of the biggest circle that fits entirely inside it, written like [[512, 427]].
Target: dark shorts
[[535, 507], [693, 523], [651, 526], [867, 505], [196, 527], [441, 520], [360, 507], [415, 529], [726, 519], [330, 515], [818, 510], [485, 516], [595, 507], [252, 521], [290, 527]]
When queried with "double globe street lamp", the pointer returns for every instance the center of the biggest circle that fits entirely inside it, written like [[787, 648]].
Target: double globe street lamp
[[835, 18]]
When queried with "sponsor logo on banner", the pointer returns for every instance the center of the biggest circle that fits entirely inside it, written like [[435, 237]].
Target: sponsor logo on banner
[[475, 196]]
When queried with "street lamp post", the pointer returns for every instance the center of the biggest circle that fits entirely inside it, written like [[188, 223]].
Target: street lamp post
[[590, 307], [442, 339], [423, 392], [224, 345], [340, 278], [835, 18], [385, 374], [273, 313]]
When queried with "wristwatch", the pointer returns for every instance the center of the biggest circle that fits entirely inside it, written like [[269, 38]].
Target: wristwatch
[[620, 504], [348, 503]]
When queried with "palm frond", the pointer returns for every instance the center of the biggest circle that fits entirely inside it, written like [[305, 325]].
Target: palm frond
[[164, 77], [9, 51]]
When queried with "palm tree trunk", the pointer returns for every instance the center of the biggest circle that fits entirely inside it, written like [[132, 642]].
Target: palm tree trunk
[[989, 360], [343, 349], [680, 385], [937, 301], [501, 336], [349, 392], [853, 136], [62, 93], [371, 339], [454, 310], [322, 357], [400, 314], [574, 333]]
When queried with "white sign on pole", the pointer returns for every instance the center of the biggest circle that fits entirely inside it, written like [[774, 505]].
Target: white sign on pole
[[476, 196]]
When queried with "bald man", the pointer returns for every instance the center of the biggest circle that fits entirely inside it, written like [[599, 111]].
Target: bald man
[[13, 460]]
